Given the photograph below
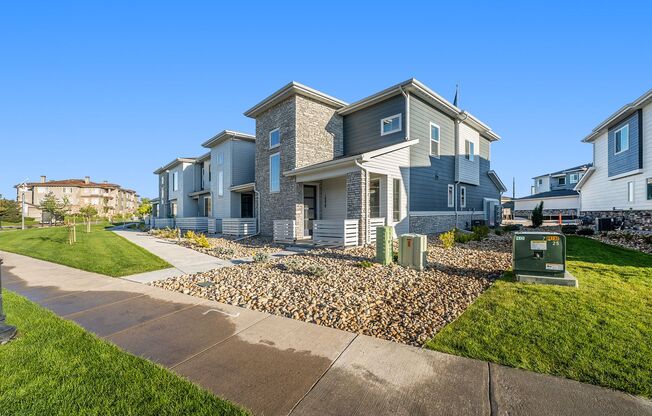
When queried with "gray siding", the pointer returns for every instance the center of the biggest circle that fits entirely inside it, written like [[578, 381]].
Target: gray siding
[[430, 176], [632, 158], [243, 166], [362, 128]]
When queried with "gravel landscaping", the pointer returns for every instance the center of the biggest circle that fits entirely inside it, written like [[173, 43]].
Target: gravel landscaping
[[341, 288], [627, 239]]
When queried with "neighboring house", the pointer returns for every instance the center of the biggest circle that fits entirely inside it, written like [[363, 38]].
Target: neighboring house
[[176, 181], [556, 192], [107, 198], [620, 182], [405, 157]]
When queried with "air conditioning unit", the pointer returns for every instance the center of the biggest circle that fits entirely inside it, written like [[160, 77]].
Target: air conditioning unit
[[540, 257], [384, 245], [412, 251]]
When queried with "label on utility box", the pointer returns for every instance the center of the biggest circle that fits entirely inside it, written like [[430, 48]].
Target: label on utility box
[[538, 245], [555, 266]]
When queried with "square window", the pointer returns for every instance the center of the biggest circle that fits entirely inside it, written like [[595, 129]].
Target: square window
[[275, 173], [574, 177], [435, 132], [390, 124], [274, 138], [621, 139], [562, 181]]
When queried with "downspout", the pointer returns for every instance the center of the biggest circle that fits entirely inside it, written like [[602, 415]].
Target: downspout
[[366, 202], [457, 163], [407, 138]]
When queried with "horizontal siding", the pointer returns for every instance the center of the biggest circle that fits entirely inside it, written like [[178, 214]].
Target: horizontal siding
[[628, 160], [548, 203], [468, 171], [333, 198], [243, 164], [362, 128]]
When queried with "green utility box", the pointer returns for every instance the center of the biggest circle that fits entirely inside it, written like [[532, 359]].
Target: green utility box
[[412, 251], [384, 245], [540, 257]]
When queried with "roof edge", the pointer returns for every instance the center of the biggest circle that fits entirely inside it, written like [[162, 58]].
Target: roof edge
[[174, 163], [621, 112], [226, 134], [288, 90]]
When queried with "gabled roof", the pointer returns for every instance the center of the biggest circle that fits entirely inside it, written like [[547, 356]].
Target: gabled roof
[[496, 180], [551, 194], [622, 113], [287, 91], [583, 167], [174, 163], [225, 135], [584, 178]]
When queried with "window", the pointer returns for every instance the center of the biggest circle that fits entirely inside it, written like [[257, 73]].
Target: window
[[374, 198], [630, 191], [274, 138], [621, 139], [175, 181], [220, 158], [574, 177], [209, 173], [202, 177], [649, 188], [396, 200], [220, 183], [451, 196], [207, 206], [173, 208], [463, 196], [390, 124], [540, 182], [434, 139], [275, 173], [470, 150], [562, 181]]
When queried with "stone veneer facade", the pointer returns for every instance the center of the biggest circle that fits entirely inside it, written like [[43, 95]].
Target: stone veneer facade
[[311, 132], [357, 205], [634, 219], [431, 224], [527, 213]]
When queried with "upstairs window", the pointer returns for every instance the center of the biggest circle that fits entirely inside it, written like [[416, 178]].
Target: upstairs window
[[274, 138], [451, 196], [390, 124], [574, 177], [175, 181], [621, 139], [470, 150], [220, 183], [275, 173], [434, 140], [562, 181], [540, 182]]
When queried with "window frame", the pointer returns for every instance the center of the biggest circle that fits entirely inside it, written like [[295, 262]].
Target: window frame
[[220, 183], [462, 196], [469, 150], [396, 200], [631, 191], [625, 148], [275, 191], [577, 178], [400, 124], [269, 136], [175, 181], [450, 195], [560, 179], [648, 187], [438, 141]]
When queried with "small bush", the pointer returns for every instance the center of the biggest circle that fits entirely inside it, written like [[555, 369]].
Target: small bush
[[569, 229], [480, 232], [395, 256], [448, 239], [463, 237], [585, 231], [224, 251], [199, 239], [316, 270], [365, 264], [261, 257], [166, 233], [498, 231], [537, 215], [511, 227]]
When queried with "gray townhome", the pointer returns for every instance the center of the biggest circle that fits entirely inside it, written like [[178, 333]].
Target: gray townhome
[[331, 171]]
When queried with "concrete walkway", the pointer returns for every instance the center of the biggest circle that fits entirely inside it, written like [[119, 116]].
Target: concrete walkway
[[184, 260], [279, 366]]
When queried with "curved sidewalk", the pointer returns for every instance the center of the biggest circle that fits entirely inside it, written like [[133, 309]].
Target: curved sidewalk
[[278, 366]]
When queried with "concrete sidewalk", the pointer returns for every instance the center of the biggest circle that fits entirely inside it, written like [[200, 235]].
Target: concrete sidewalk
[[279, 366]]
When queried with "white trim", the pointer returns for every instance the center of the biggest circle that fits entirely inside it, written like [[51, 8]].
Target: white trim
[[450, 199], [623, 149], [400, 124], [279, 173], [438, 213], [577, 178], [631, 191], [269, 137], [462, 194], [438, 141], [220, 183], [626, 174], [470, 151]]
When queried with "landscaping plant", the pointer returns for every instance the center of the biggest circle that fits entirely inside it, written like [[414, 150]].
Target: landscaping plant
[[316, 270], [365, 264], [569, 229], [537, 215], [585, 231], [480, 231], [448, 238], [261, 257]]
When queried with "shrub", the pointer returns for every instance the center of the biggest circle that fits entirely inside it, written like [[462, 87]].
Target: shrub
[[537, 215], [198, 239], [498, 231], [480, 232], [448, 239], [464, 237], [365, 264], [224, 251], [316, 270], [291, 265], [585, 231], [395, 256], [261, 257], [166, 233], [511, 227], [569, 229]]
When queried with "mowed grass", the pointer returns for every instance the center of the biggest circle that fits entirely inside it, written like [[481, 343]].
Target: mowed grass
[[54, 367], [100, 251], [600, 333]]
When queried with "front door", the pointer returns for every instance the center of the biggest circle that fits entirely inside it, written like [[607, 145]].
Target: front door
[[246, 206], [309, 208]]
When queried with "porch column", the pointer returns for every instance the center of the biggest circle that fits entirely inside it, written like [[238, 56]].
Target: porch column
[[357, 201], [298, 210]]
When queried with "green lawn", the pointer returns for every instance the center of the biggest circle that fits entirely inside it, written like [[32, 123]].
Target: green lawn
[[600, 333], [100, 251], [54, 367]]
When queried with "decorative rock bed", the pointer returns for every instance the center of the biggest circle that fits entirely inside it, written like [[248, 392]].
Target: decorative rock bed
[[627, 239], [229, 248], [340, 289]]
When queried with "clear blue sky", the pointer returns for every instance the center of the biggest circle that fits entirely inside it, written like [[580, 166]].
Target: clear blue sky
[[115, 90]]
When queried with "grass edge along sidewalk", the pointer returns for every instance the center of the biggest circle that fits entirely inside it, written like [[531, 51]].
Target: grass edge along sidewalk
[[599, 333], [100, 251]]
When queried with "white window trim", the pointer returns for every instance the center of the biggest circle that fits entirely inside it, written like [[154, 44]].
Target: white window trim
[[220, 183], [631, 186], [270, 138], [559, 181], [400, 124], [576, 176], [648, 182], [279, 173], [438, 141], [470, 156], [450, 201], [624, 148], [462, 196]]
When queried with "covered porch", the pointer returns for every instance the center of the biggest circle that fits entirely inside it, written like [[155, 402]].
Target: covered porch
[[243, 207]]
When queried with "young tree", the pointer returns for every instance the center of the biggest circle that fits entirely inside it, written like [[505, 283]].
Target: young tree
[[9, 211], [49, 205], [145, 208], [63, 209], [537, 215], [88, 212]]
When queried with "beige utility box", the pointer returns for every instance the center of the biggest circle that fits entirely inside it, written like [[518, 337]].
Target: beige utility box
[[412, 251]]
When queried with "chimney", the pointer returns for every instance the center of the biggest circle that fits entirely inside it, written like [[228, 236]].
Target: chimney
[[42, 178], [87, 179]]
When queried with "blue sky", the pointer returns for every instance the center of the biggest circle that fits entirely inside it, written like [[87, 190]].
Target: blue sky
[[114, 90]]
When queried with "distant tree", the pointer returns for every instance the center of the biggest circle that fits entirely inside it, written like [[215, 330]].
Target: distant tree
[[9, 211], [88, 212], [63, 209], [145, 208], [537, 215], [49, 205]]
